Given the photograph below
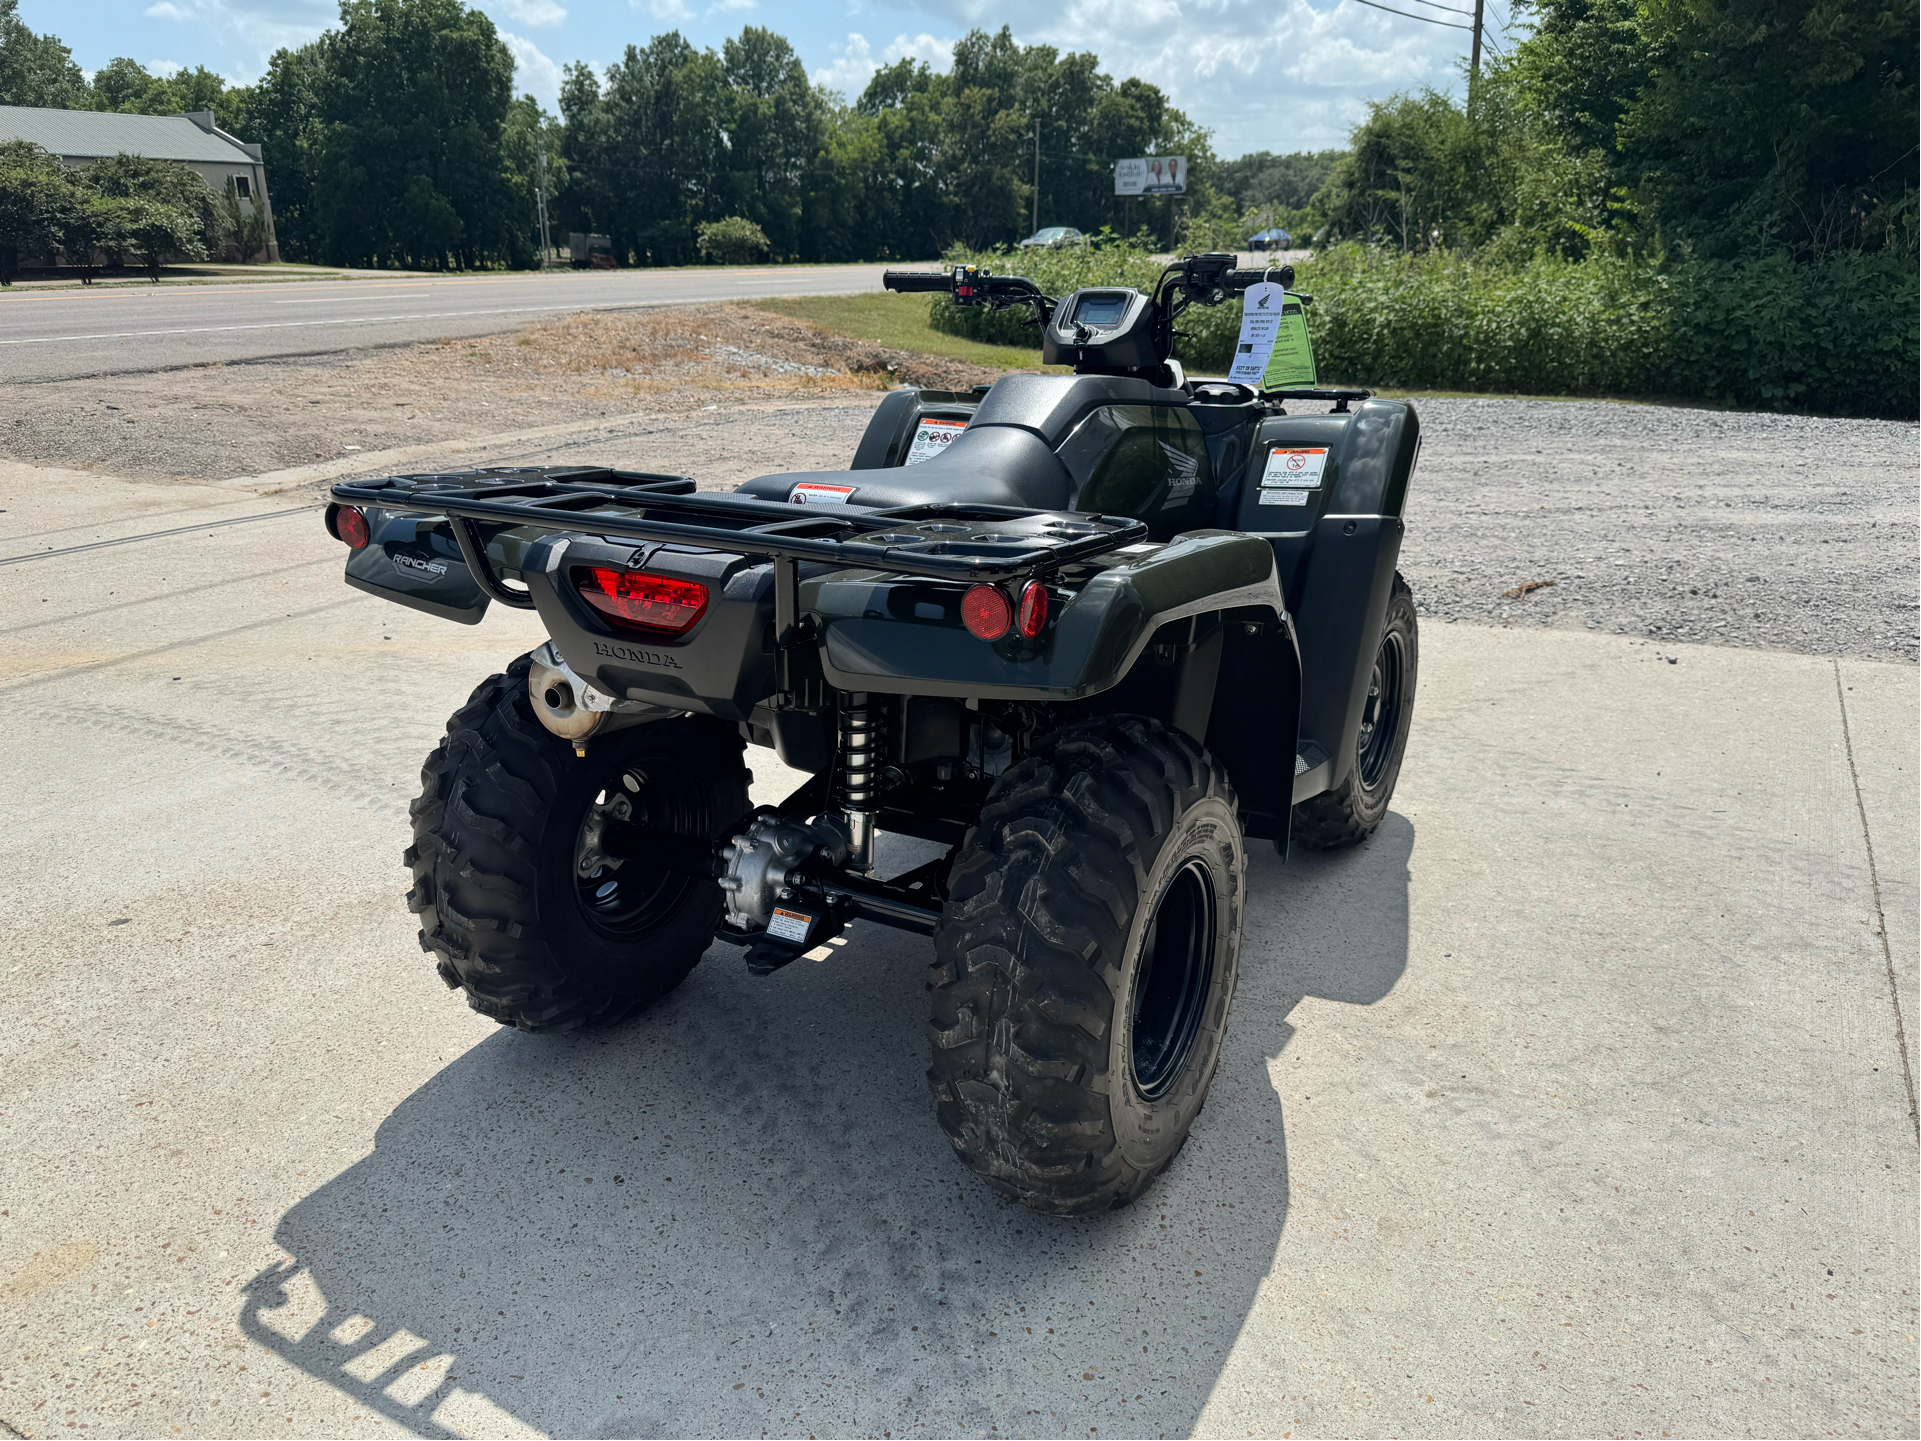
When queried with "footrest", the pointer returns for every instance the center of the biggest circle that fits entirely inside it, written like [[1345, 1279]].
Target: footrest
[[1313, 771]]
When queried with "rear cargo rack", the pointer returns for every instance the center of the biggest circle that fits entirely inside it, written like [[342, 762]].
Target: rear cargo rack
[[909, 540]]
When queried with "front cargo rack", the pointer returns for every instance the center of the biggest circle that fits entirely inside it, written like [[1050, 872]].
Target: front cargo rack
[[1339, 397], [936, 540]]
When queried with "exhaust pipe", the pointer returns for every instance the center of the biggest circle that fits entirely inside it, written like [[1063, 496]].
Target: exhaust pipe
[[572, 709]]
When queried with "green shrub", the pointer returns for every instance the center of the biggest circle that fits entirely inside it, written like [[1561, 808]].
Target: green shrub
[[156, 230], [733, 241], [1599, 326], [1837, 335]]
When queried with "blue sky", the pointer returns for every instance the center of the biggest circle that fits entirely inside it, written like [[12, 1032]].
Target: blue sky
[[1262, 74]]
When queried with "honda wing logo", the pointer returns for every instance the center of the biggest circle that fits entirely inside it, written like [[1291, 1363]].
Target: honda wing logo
[[1183, 475]]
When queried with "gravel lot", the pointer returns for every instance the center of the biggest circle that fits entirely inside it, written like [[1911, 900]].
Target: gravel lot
[[1784, 532]]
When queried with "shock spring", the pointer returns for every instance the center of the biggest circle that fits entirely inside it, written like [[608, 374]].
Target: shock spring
[[860, 722]]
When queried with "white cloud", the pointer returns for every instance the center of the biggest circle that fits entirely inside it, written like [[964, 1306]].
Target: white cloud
[[534, 73], [851, 69], [665, 12], [1396, 62], [937, 53], [855, 65], [245, 33], [165, 69], [534, 12], [722, 6], [1261, 74]]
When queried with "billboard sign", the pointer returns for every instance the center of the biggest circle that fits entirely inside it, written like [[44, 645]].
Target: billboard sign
[[1151, 175]]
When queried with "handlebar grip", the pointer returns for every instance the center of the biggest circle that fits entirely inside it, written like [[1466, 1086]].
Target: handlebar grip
[[906, 281], [1239, 280]]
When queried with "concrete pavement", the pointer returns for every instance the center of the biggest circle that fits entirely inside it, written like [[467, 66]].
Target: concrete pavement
[[64, 334], [1570, 1105]]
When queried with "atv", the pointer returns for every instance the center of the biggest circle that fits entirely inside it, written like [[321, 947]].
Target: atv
[[1080, 638]]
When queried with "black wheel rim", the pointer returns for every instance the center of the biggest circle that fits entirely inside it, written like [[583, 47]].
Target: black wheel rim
[[1381, 716], [1175, 977], [627, 899]]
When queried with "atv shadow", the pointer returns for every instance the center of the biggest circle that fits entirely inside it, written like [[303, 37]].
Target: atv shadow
[[736, 1215]]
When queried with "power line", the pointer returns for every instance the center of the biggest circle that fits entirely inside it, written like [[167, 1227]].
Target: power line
[[1436, 5], [1428, 19]]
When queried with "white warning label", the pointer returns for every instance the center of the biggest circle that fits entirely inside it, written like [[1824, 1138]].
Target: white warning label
[[931, 437], [1285, 497], [1295, 465], [789, 925], [812, 493]]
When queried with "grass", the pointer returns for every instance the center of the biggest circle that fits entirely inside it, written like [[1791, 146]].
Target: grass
[[899, 322]]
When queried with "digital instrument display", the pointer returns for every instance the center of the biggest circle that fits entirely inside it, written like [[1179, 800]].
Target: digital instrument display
[[1100, 310]]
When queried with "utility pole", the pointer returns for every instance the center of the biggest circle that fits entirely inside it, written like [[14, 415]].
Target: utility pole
[[540, 202], [1474, 64], [1037, 173]]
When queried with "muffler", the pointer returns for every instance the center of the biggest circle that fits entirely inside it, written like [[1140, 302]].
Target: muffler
[[572, 709]]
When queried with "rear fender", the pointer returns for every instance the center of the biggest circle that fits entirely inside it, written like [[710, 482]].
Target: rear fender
[[1231, 680], [413, 560], [1254, 724], [898, 635]]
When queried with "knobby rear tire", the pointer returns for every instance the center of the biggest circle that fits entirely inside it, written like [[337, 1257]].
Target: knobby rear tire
[[496, 834], [1040, 959]]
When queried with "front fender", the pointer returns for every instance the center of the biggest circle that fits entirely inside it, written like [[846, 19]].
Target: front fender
[[899, 635]]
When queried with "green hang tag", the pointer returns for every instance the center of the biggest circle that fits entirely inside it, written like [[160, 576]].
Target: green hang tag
[[1291, 367]]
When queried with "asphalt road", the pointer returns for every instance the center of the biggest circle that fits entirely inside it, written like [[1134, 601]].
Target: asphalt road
[[66, 334], [1572, 1104]]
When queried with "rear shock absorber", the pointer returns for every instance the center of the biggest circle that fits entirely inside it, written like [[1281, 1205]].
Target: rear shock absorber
[[860, 722]]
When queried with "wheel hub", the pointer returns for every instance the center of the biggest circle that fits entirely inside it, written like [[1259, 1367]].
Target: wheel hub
[[1381, 715], [1174, 980], [618, 897]]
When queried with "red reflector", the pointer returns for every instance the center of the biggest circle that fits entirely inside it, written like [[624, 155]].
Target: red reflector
[[1033, 613], [639, 601], [987, 612], [350, 526]]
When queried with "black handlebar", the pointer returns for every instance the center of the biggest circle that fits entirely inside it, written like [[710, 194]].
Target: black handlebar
[[972, 285], [917, 281], [1195, 279]]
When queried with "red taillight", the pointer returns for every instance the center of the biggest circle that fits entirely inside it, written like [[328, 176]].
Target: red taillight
[[350, 527], [987, 612], [636, 600], [1033, 609]]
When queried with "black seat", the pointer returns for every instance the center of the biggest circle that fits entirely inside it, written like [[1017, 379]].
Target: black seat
[[1006, 456], [983, 465]]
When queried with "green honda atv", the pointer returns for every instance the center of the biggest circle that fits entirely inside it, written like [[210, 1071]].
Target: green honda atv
[[1089, 635]]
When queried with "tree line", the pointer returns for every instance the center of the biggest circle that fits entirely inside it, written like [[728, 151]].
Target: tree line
[[1716, 128], [670, 136], [1725, 129], [396, 138]]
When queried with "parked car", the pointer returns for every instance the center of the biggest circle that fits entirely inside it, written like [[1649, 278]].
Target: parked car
[[1270, 239], [590, 252], [1052, 236]]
